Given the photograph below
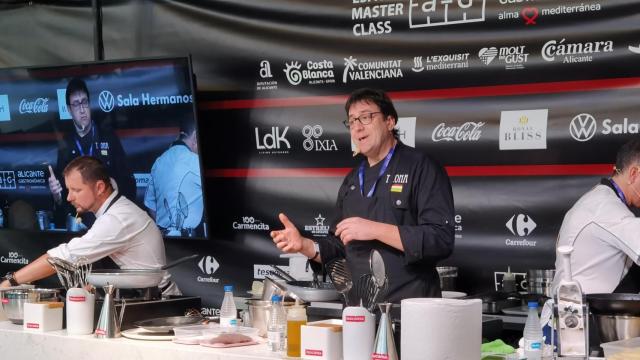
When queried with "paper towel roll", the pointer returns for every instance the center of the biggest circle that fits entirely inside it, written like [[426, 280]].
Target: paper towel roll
[[440, 329]]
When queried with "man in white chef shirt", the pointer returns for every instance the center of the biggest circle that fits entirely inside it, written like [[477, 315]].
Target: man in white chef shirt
[[122, 230], [603, 231]]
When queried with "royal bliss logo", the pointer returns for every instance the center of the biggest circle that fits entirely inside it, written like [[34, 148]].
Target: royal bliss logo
[[314, 72], [319, 229], [520, 225], [574, 52], [355, 70], [583, 127], [274, 141], [36, 106], [469, 131], [250, 223], [523, 129], [312, 141]]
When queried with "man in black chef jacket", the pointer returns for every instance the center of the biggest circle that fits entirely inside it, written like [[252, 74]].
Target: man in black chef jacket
[[398, 201]]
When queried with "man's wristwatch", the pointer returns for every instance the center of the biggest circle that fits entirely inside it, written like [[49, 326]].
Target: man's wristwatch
[[11, 279], [316, 247]]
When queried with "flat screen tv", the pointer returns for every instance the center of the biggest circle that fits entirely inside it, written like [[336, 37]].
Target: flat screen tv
[[137, 115]]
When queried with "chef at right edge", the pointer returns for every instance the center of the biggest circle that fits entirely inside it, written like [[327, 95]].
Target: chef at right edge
[[398, 200], [604, 232]]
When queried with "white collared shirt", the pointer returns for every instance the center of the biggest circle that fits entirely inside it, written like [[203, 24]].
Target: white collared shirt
[[605, 236], [125, 233]]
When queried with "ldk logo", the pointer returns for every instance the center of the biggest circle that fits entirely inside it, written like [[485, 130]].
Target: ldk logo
[[583, 127], [208, 265], [521, 225], [272, 140]]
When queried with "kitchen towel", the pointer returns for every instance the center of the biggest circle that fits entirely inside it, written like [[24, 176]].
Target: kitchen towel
[[441, 329]]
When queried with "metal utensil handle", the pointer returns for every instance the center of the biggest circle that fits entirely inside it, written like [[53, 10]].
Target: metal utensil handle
[[282, 274], [179, 261]]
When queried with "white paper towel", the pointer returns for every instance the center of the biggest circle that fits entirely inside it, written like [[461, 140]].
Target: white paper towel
[[441, 329]]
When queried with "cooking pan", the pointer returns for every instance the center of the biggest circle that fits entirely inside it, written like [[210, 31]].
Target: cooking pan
[[132, 278], [614, 304], [308, 291], [166, 324]]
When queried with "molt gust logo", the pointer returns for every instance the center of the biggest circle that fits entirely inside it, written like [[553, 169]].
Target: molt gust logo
[[583, 127], [487, 55], [106, 101], [39, 105]]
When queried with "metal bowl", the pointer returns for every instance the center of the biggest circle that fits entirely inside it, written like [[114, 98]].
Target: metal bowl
[[617, 327], [13, 301]]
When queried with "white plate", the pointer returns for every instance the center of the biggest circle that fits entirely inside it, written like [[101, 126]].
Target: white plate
[[140, 334], [453, 294]]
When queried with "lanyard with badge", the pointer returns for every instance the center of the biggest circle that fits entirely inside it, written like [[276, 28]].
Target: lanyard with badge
[[618, 191], [93, 136], [383, 169]]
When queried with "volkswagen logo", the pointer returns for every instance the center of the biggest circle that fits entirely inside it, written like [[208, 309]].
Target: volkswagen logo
[[105, 99], [583, 127]]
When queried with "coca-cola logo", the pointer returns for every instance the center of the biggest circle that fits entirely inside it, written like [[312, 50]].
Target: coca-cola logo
[[469, 131], [354, 318], [39, 105], [77, 298]]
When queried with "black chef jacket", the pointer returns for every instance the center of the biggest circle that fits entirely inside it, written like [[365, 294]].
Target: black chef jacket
[[414, 193], [103, 144]]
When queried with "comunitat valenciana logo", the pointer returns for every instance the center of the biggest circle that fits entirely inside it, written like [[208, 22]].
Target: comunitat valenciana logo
[[583, 127], [428, 13], [355, 70], [250, 223], [312, 141], [314, 72], [521, 225], [577, 52], [107, 101]]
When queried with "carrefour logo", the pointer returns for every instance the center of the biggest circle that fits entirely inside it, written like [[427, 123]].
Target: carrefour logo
[[583, 127], [521, 225], [208, 265], [106, 101]]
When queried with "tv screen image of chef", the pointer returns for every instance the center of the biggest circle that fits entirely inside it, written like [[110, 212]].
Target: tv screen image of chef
[[137, 116]]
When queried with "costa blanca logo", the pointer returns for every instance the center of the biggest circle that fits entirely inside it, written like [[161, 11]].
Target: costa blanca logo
[[574, 52], [487, 55], [106, 101], [5, 112], [319, 229], [250, 223], [39, 105], [583, 127], [521, 225], [427, 13], [469, 131], [273, 142], [371, 70], [315, 72], [208, 265], [312, 139], [523, 129]]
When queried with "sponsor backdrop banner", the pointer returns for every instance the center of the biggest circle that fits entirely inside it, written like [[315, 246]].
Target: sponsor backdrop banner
[[524, 102]]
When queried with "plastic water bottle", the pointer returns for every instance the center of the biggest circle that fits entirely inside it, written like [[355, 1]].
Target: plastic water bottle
[[533, 334], [228, 311], [277, 325]]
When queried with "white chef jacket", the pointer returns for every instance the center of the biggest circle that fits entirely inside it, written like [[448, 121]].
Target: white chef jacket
[[126, 234], [605, 236], [176, 171]]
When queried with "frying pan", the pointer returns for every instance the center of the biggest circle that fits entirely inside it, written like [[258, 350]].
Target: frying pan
[[614, 304], [166, 324], [307, 291], [132, 278]]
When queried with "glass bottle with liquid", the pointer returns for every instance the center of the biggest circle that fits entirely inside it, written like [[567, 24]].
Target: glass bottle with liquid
[[296, 317]]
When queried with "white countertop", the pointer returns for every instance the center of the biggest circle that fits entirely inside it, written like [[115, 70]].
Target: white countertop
[[17, 344]]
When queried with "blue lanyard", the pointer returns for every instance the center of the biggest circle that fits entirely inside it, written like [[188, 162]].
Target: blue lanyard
[[619, 191], [93, 136], [383, 169]]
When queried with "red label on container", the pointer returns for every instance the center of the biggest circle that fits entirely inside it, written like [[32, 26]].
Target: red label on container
[[313, 352], [376, 356], [33, 326], [77, 298], [5, 301], [354, 318], [100, 332]]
